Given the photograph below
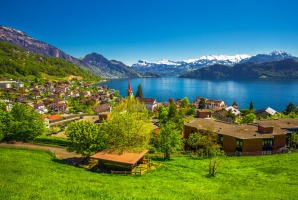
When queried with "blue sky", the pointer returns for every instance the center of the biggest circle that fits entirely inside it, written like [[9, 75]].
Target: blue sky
[[154, 29]]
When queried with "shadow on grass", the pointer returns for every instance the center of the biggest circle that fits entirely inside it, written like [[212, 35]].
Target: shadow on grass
[[75, 161]]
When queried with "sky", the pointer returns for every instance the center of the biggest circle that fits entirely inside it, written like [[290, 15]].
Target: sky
[[151, 30]]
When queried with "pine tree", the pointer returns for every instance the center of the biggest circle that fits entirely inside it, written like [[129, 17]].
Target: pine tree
[[251, 106], [202, 103], [290, 108], [139, 91]]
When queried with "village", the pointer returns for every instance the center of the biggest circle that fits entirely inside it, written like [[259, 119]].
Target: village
[[63, 102]]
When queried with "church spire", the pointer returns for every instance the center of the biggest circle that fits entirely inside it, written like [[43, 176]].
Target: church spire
[[129, 92]]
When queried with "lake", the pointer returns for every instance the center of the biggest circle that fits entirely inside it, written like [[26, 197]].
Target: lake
[[263, 93]]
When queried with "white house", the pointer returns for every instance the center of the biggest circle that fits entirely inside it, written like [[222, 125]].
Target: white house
[[234, 110], [150, 103]]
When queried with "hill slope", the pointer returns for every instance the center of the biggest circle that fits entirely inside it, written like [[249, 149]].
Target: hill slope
[[284, 69], [21, 39], [37, 175], [109, 68], [16, 62]]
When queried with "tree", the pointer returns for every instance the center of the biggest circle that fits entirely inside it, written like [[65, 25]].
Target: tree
[[139, 91], [294, 140], [172, 111], [290, 108], [202, 103], [206, 142], [249, 118], [5, 120], [184, 102], [85, 138], [231, 115], [129, 126], [163, 114], [26, 124], [251, 106], [170, 139], [235, 104]]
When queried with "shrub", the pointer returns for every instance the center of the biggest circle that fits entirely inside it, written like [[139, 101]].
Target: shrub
[[48, 140]]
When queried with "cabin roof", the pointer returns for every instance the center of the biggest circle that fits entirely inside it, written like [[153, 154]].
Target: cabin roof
[[125, 158]]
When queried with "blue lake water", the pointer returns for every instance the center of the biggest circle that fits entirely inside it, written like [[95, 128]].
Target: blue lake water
[[263, 93]]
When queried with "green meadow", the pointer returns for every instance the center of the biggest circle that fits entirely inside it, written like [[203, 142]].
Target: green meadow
[[36, 174]]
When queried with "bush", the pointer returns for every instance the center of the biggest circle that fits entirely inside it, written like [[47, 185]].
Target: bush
[[48, 140]]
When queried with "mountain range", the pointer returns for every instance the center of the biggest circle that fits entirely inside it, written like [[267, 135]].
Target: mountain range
[[94, 63], [282, 69], [175, 68], [99, 65]]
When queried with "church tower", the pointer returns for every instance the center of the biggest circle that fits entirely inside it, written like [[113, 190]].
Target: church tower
[[129, 92]]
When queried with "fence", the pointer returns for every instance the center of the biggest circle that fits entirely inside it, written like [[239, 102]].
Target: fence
[[126, 173]]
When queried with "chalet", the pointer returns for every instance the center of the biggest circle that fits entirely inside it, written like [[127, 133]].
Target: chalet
[[40, 108], [264, 113], [74, 94], [150, 103], [204, 113], [211, 104], [6, 84], [234, 110], [103, 111], [18, 84], [262, 137]]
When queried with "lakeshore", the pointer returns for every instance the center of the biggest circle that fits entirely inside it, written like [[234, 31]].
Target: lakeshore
[[263, 93]]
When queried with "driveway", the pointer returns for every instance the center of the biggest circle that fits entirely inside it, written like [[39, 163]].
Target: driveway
[[61, 153]]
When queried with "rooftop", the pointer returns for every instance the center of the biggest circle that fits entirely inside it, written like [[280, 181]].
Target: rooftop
[[126, 158], [245, 131]]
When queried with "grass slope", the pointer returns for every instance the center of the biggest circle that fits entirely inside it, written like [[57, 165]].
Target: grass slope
[[33, 174]]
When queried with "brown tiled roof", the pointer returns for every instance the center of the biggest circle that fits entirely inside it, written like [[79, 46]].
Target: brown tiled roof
[[245, 131], [204, 110], [126, 158], [101, 108], [147, 100], [280, 125]]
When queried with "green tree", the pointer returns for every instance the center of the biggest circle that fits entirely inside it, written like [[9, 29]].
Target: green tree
[[294, 140], [290, 108], [26, 124], [5, 121], [184, 102], [249, 118], [202, 103], [206, 142], [85, 138], [163, 113], [170, 139], [191, 110], [173, 112], [231, 115], [251, 106], [139, 91], [129, 126]]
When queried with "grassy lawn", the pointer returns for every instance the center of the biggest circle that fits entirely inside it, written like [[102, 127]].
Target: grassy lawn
[[35, 174]]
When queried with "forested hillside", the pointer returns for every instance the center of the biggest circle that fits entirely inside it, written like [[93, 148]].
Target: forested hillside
[[16, 62]]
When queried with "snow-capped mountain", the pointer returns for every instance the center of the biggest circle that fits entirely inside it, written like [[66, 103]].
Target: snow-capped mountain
[[167, 67], [274, 56]]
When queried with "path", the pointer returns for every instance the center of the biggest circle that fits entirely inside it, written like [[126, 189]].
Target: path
[[61, 153]]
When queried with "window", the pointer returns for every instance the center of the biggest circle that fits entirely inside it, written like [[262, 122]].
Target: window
[[267, 142], [220, 139], [238, 142]]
